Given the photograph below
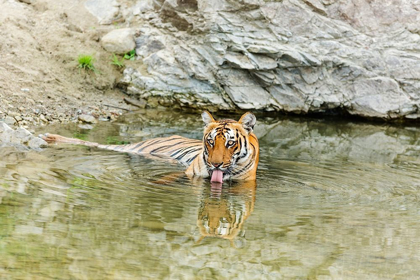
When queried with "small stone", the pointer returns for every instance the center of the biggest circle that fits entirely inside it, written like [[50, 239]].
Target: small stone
[[104, 119], [13, 114], [119, 41], [30, 101], [87, 118]]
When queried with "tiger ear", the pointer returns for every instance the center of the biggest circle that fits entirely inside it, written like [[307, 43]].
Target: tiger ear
[[207, 117], [248, 121]]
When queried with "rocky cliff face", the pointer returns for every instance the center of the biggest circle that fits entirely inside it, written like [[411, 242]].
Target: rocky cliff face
[[301, 56]]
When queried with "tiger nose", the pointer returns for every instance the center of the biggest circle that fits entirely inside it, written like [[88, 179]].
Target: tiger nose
[[216, 164]]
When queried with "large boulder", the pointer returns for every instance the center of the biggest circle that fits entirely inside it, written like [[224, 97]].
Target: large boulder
[[303, 56]]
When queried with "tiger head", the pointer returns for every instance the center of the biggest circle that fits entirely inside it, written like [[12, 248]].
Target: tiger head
[[230, 148]]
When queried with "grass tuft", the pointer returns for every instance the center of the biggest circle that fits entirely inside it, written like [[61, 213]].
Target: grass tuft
[[131, 55], [86, 62], [115, 61]]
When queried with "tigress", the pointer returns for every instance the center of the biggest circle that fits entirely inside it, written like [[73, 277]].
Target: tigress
[[229, 149]]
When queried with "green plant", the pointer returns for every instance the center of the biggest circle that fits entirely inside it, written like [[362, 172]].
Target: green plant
[[113, 140], [86, 62], [130, 55], [116, 61]]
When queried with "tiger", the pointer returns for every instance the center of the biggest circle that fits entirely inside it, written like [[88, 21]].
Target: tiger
[[229, 150]]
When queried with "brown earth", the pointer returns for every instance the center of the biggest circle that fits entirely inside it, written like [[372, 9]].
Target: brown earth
[[40, 81]]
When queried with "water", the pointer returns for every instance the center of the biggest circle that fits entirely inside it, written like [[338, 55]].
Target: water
[[333, 200]]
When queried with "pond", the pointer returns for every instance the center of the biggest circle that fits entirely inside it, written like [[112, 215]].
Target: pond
[[333, 200]]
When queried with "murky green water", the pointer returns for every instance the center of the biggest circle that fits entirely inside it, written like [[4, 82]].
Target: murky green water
[[334, 200]]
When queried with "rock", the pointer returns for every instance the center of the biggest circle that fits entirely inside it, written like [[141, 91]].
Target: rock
[[42, 118], [20, 138], [10, 120], [119, 41], [4, 128], [37, 143], [87, 118], [289, 99], [22, 135], [85, 126], [5, 133], [105, 10], [138, 103], [378, 97], [262, 49], [239, 61], [247, 97], [264, 62], [298, 56]]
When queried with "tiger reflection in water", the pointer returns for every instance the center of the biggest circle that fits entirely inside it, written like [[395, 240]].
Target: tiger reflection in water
[[223, 211]]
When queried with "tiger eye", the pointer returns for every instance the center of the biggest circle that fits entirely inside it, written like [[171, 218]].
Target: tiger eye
[[231, 142], [211, 142]]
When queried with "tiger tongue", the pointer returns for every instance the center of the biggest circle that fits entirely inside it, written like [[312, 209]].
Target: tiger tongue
[[217, 176]]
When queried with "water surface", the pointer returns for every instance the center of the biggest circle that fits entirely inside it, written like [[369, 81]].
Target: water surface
[[333, 200]]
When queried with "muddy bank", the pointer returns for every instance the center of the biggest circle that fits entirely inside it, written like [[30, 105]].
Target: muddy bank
[[40, 80]]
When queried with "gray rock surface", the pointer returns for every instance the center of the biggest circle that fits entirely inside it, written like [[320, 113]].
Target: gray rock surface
[[119, 41], [105, 10], [20, 138], [301, 56]]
